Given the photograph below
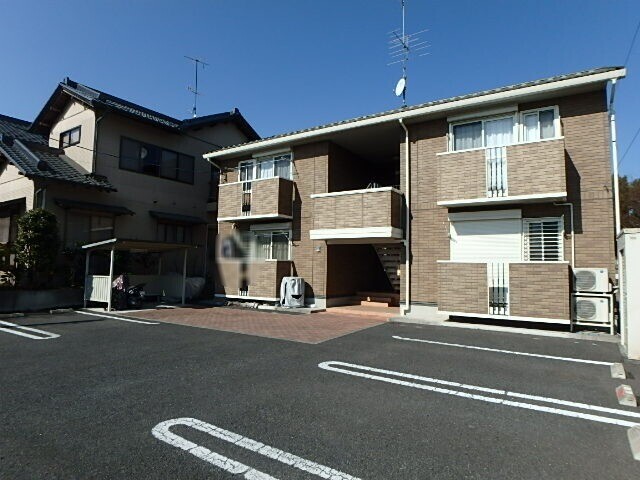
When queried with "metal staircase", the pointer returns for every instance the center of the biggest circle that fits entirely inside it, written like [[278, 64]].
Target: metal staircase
[[390, 256]]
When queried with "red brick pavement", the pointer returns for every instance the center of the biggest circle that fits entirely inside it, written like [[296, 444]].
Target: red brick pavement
[[312, 328]]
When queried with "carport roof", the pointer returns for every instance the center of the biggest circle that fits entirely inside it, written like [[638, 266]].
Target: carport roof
[[140, 245]]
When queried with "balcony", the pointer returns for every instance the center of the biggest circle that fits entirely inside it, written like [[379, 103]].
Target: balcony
[[262, 199], [519, 173], [260, 280], [358, 216], [531, 291]]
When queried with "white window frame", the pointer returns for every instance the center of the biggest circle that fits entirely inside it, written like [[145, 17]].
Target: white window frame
[[518, 126], [266, 158], [556, 123], [271, 233], [514, 134], [525, 232]]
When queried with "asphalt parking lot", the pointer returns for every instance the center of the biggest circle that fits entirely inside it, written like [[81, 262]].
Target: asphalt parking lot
[[107, 398]]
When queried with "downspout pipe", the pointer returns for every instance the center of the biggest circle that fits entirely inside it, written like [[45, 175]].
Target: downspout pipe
[[573, 231], [614, 158], [407, 224], [94, 159]]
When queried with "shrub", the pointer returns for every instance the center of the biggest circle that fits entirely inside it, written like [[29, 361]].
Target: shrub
[[36, 246]]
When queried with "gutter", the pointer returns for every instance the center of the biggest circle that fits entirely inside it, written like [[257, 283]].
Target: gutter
[[614, 158], [407, 222]]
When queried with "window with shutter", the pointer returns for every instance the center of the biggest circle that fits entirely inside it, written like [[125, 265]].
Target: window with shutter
[[543, 239]]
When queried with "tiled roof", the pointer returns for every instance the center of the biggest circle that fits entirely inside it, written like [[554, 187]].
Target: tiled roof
[[517, 86], [31, 154], [96, 98]]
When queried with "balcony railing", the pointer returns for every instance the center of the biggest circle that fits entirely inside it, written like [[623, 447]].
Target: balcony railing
[[365, 215], [269, 198], [534, 291], [523, 172]]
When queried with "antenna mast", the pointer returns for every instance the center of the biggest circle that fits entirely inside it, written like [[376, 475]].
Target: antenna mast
[[196, 63], [401, 45]]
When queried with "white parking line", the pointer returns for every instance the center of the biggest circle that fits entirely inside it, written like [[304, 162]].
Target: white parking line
[[162, 432], [335, 367], [511, 352], [21, 330], [114, 317]]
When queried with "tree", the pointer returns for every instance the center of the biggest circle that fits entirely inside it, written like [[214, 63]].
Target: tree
[[629, 202], [36, 245]]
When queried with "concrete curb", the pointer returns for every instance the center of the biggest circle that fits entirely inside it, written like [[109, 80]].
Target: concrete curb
[[587, 336], [634, 441], [617, 371], [625, 396], [11, 315]]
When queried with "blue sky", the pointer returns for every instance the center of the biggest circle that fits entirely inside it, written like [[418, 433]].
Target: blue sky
[[293, 64]]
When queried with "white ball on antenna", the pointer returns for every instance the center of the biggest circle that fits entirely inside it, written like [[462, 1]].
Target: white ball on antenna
[[401, 86]]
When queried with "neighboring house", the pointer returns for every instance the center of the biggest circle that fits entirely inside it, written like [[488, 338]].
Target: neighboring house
[[110, 168], [489, 175]]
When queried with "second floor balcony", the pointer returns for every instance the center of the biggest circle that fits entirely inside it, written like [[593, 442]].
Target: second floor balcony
[[518, 173], [367, 215], [261, 199]]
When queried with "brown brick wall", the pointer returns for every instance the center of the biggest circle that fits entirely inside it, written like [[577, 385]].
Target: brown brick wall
[[229, 198], [539, 290], [371, 209], [462, 287], [585, 126], [536, 167], [263, 278], [268, 197], [311, 176], [461, 175]]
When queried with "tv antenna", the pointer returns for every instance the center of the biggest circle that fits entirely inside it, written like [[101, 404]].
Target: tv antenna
[[196, 63], [401, 44]]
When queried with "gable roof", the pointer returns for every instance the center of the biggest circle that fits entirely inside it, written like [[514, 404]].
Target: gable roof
[[597, 75], [101, 100], [30, 154]]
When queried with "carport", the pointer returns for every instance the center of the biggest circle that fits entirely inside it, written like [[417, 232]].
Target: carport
[[98, 287]]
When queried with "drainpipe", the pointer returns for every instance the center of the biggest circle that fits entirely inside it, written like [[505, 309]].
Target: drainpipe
[[407, 224], [95, 142], [573, 242], [614, 158]]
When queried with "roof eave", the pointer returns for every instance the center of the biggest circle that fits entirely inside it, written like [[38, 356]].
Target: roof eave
[[473, 101]]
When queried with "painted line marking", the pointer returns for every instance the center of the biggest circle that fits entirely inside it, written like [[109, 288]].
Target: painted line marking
[[334, 366], [511, 352], [22, 331], [162, 432], [113, 317]]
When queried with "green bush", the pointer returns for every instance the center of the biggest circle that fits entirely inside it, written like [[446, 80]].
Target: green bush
[[36, 246]]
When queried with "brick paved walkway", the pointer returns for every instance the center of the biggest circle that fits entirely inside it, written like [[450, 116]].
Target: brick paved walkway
[[312, 328]]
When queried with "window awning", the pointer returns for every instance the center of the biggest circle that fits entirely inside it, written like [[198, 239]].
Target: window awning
[[175, 218], [94, 207]]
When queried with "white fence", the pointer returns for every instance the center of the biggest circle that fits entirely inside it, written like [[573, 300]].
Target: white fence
[[97, 288]]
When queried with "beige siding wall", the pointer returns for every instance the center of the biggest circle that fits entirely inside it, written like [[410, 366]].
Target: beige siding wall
[[539, 290], [14, 186], [76, 115]]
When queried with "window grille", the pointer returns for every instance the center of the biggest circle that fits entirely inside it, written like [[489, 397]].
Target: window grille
[[543, 240]]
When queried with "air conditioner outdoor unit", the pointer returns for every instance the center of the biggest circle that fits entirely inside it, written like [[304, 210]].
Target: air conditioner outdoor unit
[[590, 309], [591, 280]]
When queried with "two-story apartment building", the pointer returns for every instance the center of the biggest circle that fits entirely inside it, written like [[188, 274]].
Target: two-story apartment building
[[479, 205], [108, 168]]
